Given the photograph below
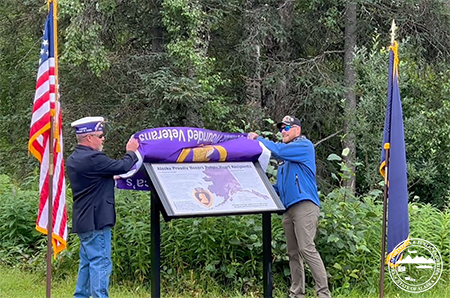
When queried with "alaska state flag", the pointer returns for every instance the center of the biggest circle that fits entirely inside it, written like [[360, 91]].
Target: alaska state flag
[[394, 140]]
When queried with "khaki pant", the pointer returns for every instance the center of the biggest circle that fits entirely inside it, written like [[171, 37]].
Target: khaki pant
[[300, 225]]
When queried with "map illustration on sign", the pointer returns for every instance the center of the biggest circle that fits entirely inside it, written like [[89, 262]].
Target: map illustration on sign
[[213, 188], [225, 185]]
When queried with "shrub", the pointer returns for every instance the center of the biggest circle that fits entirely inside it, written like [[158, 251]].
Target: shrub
[[221, 252], [19, 241]]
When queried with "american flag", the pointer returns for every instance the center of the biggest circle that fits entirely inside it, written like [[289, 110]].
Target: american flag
[[45, 105]]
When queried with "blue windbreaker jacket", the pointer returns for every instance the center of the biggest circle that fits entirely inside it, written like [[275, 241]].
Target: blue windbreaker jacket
[[296, 177]]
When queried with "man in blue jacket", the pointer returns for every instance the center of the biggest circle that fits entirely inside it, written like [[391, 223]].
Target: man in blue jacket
[[297, 188], [91, 175]]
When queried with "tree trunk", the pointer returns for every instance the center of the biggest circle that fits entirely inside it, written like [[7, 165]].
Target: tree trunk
[[253, 31], [253, 81], [157, 27], [350, 103], [281, 104]]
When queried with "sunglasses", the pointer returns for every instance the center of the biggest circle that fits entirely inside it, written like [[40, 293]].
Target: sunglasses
[[286, 128], [100, 136]]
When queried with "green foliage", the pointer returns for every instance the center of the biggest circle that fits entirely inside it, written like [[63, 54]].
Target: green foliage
[[84, 44], [20, 242], [144, 64], [349, 237], [427, 222], [185, 21], [131, 237], [18, 67], [219, 64], [426, 108], [203, 254], [345, 173]]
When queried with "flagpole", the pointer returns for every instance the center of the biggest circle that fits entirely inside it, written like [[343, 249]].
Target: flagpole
[[393, 28], [51, 167], [385, 196], [50, 208], [383, 232]]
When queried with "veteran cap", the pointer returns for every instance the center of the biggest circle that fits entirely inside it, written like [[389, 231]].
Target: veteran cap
[[88, 124], [289, 120]]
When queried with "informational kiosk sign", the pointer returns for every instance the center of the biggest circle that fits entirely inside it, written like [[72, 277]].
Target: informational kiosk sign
[[210, 189], [213, 189]]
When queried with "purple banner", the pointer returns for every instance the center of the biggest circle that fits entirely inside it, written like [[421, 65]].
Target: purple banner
[[186, 145]]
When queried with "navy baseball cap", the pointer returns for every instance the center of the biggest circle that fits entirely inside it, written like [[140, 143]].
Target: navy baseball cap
[[289, 120]]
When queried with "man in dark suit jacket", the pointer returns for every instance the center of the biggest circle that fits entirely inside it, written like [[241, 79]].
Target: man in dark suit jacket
[[91, 175]]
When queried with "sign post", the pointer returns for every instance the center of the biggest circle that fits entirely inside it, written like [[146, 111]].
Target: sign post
[[267, 254], [155, 246]]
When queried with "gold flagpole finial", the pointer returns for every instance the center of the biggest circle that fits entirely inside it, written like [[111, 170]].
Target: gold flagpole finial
[[393, 28]]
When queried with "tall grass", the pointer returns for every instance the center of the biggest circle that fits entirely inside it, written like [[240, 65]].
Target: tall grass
[[16, 283]]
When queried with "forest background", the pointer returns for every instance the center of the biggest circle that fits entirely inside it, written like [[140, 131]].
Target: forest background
[[237, 66]]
